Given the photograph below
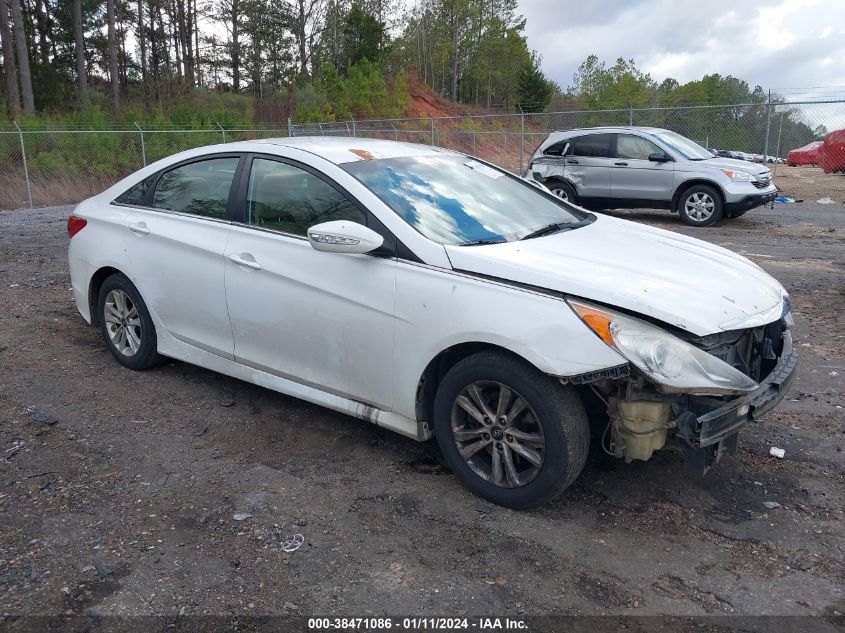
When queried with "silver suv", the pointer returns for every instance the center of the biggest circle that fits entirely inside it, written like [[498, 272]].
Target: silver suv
[[643, 167]]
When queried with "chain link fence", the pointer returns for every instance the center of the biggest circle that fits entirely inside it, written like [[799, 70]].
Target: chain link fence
[[765, 129], [42, 167]]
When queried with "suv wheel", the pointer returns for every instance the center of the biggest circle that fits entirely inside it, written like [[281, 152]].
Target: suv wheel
[[126, 324], [510, 433], [700, 205], [562, 190]]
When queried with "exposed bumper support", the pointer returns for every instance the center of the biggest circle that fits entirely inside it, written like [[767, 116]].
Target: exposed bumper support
[[709, 434]]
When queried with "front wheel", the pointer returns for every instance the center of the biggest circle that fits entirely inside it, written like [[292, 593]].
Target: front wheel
[[700, 205], [510, 433]]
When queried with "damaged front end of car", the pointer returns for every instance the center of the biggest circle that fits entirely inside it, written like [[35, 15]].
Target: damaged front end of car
[[696, 392]]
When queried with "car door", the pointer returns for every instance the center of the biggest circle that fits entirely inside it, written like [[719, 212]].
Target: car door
[[175, 243], [321, 319], [587, 165], [634, 176]]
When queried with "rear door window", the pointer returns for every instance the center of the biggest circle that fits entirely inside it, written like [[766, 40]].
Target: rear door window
[[592, 145], [200, 188]]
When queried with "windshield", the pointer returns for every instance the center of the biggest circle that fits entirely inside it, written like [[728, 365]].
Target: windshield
[[685, 147], [458, 200]]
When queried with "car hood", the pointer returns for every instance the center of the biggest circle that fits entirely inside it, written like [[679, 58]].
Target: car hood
[[679, 280], [718, 162]]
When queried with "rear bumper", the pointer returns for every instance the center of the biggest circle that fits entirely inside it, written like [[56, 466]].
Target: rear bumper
[[710, 433]]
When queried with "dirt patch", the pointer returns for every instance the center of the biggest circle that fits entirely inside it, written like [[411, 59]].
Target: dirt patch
[[809, 184]]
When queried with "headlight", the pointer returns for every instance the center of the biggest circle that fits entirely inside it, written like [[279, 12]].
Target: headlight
[[675, 365], [738, 176]]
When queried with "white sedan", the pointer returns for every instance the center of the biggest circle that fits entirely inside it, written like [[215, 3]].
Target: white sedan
[[434, 294]]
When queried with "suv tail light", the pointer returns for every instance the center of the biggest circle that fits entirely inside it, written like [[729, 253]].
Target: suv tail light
[[75, 224]]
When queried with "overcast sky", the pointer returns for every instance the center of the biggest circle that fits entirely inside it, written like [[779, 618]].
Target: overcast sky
[[792, 46]]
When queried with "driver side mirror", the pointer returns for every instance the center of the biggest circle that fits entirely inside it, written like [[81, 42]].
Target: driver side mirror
[[343, 236], [659, 157]]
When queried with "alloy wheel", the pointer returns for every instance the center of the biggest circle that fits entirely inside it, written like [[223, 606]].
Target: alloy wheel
[[700, 206], [123, 323], [560, 193], [498, 434]]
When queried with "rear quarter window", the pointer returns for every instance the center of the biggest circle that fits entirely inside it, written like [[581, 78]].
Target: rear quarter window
[[136, 193]]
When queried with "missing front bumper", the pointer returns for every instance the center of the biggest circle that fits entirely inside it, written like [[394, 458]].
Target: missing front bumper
[[708, 433]]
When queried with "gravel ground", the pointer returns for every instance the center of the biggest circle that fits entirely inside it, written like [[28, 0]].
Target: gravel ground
[[120, 492]]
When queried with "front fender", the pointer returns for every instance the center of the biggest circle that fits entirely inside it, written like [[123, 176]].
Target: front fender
[[437, 309]]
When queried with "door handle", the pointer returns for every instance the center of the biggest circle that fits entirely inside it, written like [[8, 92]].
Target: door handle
[[240, 260], [621, 164], [571, 161], [138, 228]]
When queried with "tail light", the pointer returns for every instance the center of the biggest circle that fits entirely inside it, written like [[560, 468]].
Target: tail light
[[75, 224]]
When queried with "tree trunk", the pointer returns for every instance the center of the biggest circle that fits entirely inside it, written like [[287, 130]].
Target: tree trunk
[[455, 35], [115, 79], [142, 41], [23, 58], [236, 50], [183, 19], [79, 47], [154, 59], [175, 35], [301, 39], [490, 35], [12, 97], [197, 58], [165, 50], [41, 25]]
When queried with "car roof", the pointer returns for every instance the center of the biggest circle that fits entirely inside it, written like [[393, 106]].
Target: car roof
[[345, 149], [613, 128]]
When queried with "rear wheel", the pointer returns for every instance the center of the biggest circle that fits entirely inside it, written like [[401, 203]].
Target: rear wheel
[[126, 324], [562, 190], [510, 433], [700, 205]]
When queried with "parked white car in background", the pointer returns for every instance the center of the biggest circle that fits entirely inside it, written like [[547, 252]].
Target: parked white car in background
[[434, 294]]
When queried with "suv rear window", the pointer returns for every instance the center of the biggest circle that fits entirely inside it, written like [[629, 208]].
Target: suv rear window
[[596, 145]]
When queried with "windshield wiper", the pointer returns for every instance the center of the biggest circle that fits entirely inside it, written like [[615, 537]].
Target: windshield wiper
[[557, 227], [483, 242]]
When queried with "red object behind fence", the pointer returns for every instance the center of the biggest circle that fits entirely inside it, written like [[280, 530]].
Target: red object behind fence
[[832, 152], [807, 155]]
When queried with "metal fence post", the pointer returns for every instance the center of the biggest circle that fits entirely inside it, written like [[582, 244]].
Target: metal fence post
[[521, 138], [354, 130], [768, 126], [143, 147], [290, 128], [630, 115], [432, 130], [25, 166], [222, 129]]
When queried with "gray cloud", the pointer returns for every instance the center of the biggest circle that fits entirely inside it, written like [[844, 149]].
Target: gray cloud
[[778, 44]]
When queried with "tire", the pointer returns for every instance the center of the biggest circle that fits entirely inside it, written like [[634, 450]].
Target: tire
[[700, 205], [553, 426], [126, 325], [562, 190]]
